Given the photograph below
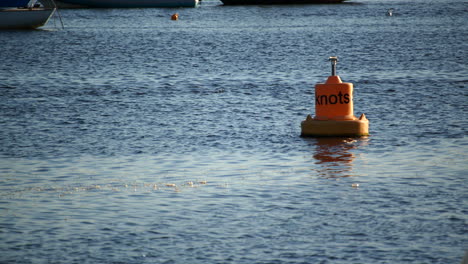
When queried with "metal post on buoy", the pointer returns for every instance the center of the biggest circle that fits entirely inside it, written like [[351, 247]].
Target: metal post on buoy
[[333, 60]]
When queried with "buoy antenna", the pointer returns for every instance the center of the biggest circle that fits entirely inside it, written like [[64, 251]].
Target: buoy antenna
[[333, 60]]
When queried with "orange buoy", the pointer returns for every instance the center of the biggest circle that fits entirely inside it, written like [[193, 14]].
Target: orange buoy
[[334, 100], [175, 16], [334, 110]]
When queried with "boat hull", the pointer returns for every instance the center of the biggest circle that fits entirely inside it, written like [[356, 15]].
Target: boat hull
[[24, 18], [279, 2], [132, 3]]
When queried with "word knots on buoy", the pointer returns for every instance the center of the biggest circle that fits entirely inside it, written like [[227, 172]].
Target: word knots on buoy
[[334, 113]]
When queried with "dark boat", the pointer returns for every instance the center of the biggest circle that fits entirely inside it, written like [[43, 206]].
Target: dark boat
[[279, 2], [130, 3]]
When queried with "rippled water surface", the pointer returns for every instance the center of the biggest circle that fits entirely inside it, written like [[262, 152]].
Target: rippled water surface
[[130, 138]]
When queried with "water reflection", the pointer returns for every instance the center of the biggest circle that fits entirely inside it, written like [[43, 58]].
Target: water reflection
[[334, 157]]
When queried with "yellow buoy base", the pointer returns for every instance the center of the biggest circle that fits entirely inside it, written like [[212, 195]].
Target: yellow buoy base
[[335, 128]]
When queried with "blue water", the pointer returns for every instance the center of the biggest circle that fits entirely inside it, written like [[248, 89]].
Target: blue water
[[130, 138]]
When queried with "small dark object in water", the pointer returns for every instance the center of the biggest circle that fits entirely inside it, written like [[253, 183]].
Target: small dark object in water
[[390, 12]]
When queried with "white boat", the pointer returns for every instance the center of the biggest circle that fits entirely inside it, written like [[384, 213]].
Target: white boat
[[23, 14], [132, 3]]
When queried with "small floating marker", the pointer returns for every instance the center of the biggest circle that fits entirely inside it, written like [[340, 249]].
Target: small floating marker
[[202, 182], [390, 12], [334, 113], [175, 16], [355, 185], [171, 185]]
